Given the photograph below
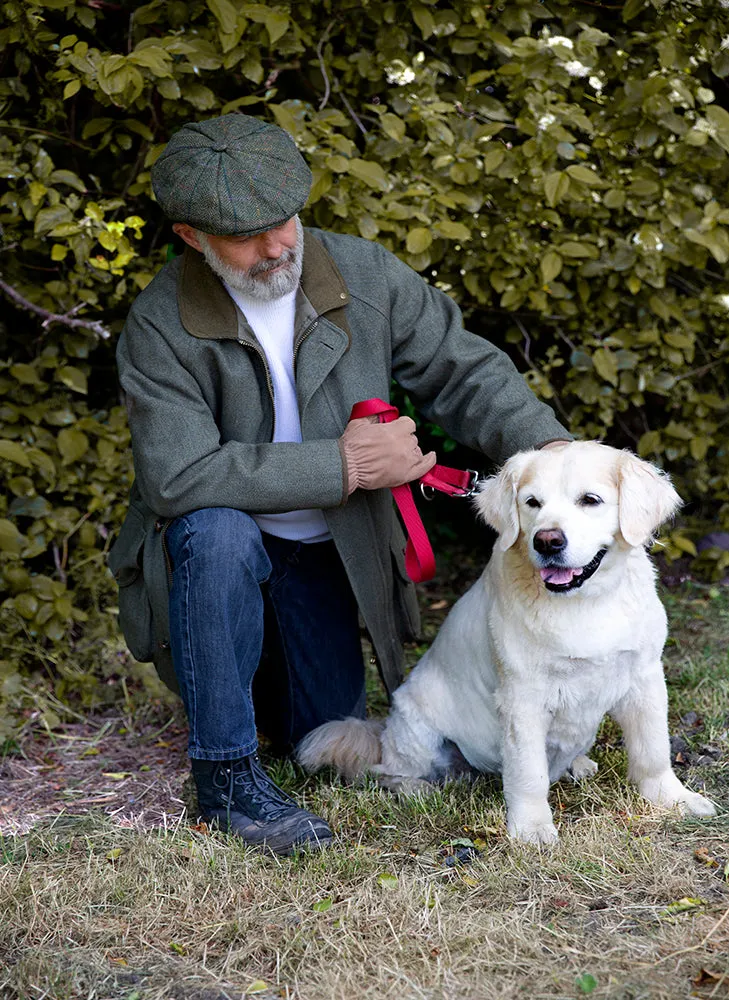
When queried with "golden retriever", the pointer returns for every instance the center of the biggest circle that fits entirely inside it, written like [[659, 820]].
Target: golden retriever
[[563, 626]]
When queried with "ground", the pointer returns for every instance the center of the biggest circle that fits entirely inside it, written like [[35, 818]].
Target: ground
[[107, 891]]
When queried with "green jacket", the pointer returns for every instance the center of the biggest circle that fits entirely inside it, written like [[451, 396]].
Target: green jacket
[[201, 414]]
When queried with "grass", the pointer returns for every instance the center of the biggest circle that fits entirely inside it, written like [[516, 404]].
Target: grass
[[417, 899]]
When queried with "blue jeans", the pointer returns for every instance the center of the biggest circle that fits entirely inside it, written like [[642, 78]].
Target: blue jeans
[[264, 634]]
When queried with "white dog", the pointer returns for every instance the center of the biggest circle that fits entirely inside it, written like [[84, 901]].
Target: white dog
[[563, 626]]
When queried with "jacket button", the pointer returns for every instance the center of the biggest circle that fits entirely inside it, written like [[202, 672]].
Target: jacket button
[[163, 644]]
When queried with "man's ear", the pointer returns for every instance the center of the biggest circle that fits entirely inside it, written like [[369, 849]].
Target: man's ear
[[646, 499], [496, 504], [188, 234]]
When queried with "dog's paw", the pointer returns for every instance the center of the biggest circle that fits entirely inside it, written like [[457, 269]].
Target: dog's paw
[[667, 790], [532, 829], [403, 785], [582, 767]]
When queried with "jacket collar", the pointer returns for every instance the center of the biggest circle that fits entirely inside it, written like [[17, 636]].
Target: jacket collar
[[208, 312]]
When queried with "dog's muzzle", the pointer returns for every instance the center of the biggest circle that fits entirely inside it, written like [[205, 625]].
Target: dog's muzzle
[[560, 579]]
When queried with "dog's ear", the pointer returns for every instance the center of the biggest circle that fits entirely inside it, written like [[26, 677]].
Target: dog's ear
[[496, 504], [646, 499]]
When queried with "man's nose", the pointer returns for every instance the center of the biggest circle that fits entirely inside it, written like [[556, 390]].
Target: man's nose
[[272, 245]]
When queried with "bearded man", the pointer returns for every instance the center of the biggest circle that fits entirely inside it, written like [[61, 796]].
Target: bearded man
[[260, 526]]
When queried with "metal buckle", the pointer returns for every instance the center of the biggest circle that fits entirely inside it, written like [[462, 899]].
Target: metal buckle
[[428, 492]]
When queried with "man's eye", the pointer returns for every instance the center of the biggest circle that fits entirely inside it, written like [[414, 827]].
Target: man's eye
[[590, 500], [532, 502]]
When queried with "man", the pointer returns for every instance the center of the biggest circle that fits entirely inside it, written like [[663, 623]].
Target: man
[[260, 526]]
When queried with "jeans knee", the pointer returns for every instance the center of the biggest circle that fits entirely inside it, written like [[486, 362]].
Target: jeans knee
[[219, 537]]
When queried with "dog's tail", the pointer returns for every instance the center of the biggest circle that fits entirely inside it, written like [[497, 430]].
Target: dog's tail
[[351, 746]]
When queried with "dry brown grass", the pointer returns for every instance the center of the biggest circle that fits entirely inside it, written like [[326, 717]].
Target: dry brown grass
[[89, 909]]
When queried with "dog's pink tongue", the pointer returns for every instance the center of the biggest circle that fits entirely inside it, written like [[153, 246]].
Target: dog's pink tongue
[[559, 576]]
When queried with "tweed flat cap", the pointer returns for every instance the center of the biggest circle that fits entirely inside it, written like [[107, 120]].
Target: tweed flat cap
[[231, 176]]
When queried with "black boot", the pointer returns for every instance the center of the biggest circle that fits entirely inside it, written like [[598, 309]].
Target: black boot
[[239, 797]]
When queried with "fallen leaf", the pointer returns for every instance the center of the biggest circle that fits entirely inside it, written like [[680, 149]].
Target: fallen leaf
[[387, 881], [702, 854], [682, 906], [114, 854], [586, 982], [258, 986], [438, 606], [705, 977], [322, 905], [116, 775]]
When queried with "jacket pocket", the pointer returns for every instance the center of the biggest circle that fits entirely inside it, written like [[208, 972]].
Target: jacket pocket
[[126, 562]]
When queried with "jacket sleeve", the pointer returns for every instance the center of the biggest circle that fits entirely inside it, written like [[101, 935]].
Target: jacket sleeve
[[180, 462], [457, 379]]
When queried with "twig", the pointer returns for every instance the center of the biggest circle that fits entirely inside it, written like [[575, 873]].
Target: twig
[[322, 65], [49, 318], [695, 947], [352, 114], [51, 135]]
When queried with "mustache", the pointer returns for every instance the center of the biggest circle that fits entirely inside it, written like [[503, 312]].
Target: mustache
[[263, 266]]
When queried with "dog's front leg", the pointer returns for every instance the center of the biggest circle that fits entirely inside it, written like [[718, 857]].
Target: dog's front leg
[[526, 775], [643, 716]]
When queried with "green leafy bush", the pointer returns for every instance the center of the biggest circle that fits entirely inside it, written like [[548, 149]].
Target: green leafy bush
[[560, 169]]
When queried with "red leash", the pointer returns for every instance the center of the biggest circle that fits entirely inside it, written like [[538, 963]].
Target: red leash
[[419, 558]]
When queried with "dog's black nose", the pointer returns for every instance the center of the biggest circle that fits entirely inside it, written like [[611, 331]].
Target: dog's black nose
[[549, 541]]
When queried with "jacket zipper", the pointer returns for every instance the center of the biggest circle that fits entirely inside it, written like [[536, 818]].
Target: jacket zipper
[[302, 338], [269, 383]]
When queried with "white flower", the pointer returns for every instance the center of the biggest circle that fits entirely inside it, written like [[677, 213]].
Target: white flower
[[723, 300], [559, 40], [546, 120], [399, 73], [595, 82], [704, 125], [575, 68]]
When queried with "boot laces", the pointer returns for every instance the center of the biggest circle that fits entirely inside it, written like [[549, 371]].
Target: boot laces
[[262, 791]]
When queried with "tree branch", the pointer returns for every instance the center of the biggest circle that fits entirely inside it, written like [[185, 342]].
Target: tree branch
[[65, 319]]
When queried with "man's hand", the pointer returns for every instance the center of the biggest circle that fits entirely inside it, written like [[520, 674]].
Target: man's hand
[[383, 455]]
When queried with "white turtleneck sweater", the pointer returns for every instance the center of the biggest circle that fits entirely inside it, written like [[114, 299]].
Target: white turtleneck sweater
[[273, 324]]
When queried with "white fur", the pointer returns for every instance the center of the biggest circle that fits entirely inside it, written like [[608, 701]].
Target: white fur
[[519, 677]]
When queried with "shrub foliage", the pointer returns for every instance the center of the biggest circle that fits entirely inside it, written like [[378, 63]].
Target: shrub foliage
[[559, 168]]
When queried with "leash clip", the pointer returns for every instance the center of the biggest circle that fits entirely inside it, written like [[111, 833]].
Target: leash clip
[[428, 492], [472, 488]]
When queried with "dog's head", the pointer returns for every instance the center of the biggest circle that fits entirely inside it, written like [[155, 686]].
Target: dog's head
[[568, 505]]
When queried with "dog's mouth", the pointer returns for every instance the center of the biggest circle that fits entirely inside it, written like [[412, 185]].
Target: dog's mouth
[[560, 579]]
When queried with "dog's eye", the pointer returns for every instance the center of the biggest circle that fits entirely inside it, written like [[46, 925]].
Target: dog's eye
[[590, 500], [532, 502]]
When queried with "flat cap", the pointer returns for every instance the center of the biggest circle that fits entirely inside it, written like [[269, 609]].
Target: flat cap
[[231, 176]]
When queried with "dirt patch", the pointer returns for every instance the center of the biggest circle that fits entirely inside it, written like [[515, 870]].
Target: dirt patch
[[135, 776]]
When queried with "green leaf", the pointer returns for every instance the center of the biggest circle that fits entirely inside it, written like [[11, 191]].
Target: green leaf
[[393, 126], [72, 444], [277, 24], [369, 172], [68, 177], [550, 266], [74, 378], [11, 451], [632, 8], [606, 364], [452, 230], [322, 905], [556, 186], [48, 218], [225, 13], [387, 881], [71, 88], [11, 539], [418, 240], [719, 118], [586, 983], [583, 174]]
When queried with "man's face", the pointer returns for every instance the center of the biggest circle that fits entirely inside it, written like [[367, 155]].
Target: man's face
[[264, 266]]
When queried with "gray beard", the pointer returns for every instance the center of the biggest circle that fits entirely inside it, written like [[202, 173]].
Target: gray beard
[[258, 282]]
